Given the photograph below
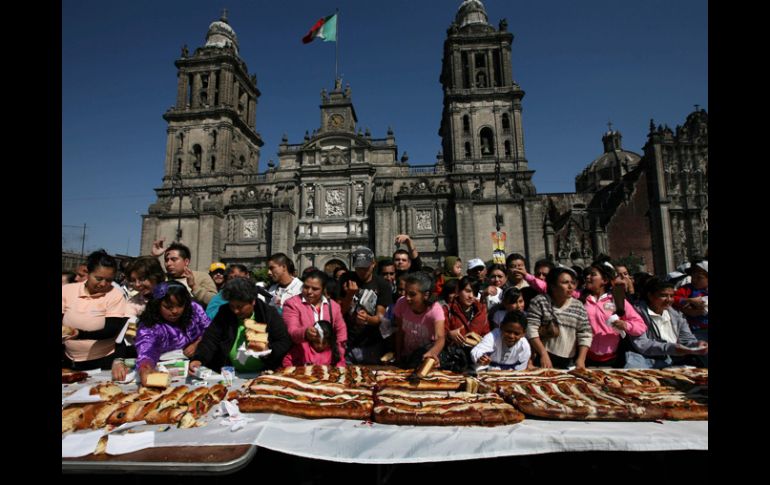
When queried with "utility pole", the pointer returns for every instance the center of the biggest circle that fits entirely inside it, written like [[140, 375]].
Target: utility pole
[[83, 242]]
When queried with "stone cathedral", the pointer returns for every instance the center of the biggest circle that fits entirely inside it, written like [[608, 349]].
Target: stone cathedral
[[341, 187]]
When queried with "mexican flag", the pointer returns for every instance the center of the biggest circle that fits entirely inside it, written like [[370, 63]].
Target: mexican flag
[[325, 29]]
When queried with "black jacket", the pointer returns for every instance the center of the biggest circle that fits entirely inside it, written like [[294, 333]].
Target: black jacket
[[214, 348]]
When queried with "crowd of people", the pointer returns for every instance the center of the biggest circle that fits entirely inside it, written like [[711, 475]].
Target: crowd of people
[[388, 310]]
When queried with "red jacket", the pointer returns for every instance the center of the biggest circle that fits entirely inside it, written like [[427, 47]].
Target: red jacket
[[455, 318]]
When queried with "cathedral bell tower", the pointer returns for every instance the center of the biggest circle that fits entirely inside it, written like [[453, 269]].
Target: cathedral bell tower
[[212, 152], [481, 121], [211, 128]]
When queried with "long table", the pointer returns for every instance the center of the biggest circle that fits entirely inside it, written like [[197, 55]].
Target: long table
[[215, 448]]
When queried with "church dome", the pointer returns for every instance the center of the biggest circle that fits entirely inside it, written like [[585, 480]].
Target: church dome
[[471, 12], [609, 167], [220, 34]]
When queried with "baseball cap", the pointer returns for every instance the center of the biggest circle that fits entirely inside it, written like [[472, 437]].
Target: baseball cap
[[216, 266], [475, 263], [362, 257]]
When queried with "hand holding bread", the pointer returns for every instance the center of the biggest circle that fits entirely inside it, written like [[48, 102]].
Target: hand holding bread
[[256, 335], [68, 333]]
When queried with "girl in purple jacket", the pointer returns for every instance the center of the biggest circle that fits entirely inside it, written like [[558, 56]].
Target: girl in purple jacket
[[171, 321]]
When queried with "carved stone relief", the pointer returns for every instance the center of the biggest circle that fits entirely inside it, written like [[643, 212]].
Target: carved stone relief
[[424, 222], [335, 202], [250, 228], [335, 156], [310, 196]]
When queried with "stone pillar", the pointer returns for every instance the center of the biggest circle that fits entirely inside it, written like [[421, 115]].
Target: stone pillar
[[517, 130], [225, 142], [226, 86], [205, 253], [196, 87], [456, 73], [409, 213], [465, 238], [236, 94], [534, 231], [505, 57], [490, 69], [181, 90], [149, 232], [281, 240], [384, 233], [212, 87], [252, 112], [170, 141]]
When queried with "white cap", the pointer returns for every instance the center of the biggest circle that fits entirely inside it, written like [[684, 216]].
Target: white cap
[[674, 275], [475, 263], [704, 265]]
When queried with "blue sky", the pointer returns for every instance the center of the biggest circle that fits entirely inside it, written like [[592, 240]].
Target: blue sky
[[580, 64]]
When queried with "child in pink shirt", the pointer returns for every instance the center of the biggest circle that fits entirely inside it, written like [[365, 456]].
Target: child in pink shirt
[[420, 321]]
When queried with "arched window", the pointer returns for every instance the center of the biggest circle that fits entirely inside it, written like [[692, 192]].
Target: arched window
[[198, 155], [487, 139], [467, 150], [213, 163], [179, 166], [506, 123], [466, 124], [181, 142], [242, 103], [507, 149], [204, 92]]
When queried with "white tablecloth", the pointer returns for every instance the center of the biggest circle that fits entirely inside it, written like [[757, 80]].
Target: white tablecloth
[[358, 442]]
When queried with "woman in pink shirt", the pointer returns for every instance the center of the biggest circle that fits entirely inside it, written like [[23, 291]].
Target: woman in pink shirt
[[609, 328], [93, 314], [322, 351], [302, 312]]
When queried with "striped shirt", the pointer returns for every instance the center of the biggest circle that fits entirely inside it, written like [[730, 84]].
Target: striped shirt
[[574, 328]]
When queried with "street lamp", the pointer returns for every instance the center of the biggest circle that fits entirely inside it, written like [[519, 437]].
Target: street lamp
[[176, 185]]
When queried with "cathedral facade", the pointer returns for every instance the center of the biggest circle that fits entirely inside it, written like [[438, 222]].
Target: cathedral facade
[[341, 187]]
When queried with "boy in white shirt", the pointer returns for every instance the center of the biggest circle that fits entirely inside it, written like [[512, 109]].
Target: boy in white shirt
[[504, 347]]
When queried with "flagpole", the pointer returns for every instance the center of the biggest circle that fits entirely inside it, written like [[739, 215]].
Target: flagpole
[[337, 46]]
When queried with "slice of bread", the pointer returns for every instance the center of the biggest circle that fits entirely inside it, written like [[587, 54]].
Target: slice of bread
[[158, 379], [257, 346], [472, 339], [257, 327], [256, 337]]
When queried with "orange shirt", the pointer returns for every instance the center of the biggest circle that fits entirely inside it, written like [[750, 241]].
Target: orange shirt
[[84, 312]]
